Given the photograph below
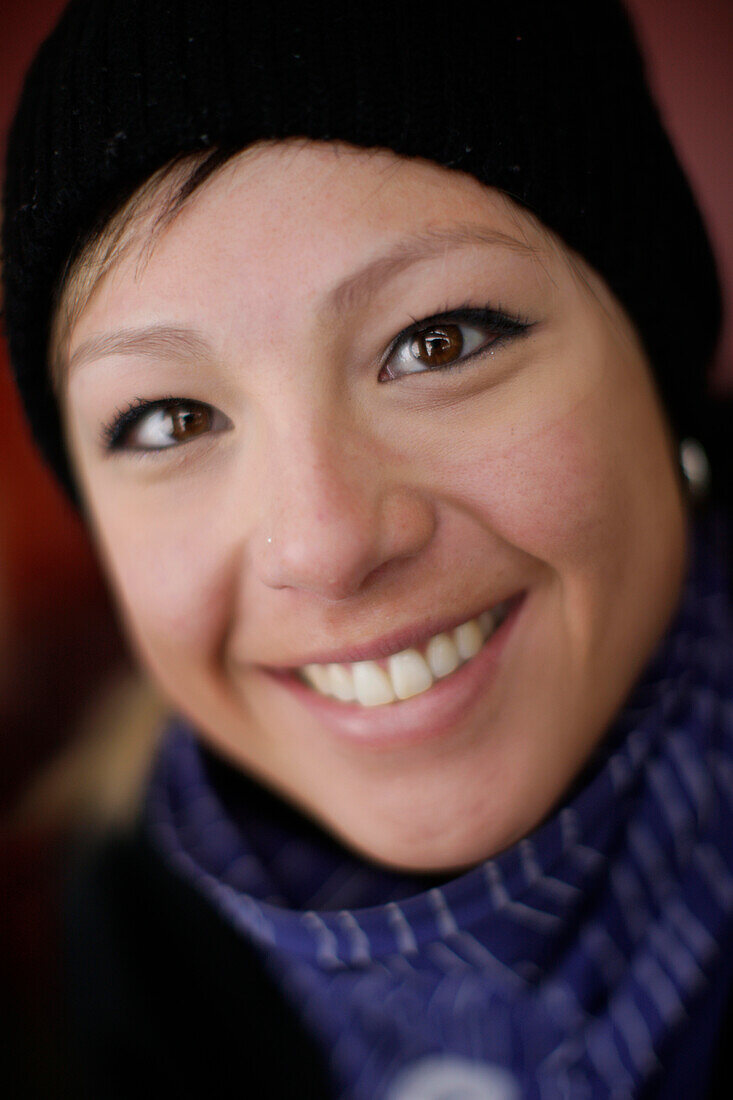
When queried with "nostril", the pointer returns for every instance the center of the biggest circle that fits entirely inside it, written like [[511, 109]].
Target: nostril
[[330, 568], [332, 543]]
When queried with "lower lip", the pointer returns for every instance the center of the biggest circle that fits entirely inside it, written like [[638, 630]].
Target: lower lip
[[413, 721]]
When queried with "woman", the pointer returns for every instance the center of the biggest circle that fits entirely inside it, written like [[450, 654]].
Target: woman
[[370, 356]]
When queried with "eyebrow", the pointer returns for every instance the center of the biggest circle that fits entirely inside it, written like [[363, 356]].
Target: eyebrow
[[165, 341], [431, 243], [161, 341]]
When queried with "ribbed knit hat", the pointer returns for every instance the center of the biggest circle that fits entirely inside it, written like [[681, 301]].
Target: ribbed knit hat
[[545, 101]]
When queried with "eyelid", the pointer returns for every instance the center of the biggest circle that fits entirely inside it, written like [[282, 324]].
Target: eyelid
[[505, 324], [113, 433]]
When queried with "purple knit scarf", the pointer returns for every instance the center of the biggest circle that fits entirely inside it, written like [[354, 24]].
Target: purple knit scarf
[[592, 959]]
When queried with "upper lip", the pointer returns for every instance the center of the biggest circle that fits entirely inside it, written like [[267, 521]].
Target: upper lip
[[406, 637]]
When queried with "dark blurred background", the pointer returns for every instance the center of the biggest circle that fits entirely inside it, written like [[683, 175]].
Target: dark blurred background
[[61, 656]]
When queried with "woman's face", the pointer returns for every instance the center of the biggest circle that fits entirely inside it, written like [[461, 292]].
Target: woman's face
[[385, 401]]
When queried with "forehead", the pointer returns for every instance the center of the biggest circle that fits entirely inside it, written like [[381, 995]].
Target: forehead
[[305, 216], [354, 193]]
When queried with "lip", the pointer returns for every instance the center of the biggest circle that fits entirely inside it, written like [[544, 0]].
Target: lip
[[425, 717], [411, 637]]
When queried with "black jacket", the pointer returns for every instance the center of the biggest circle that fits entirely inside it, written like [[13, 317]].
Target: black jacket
[[167, 996]]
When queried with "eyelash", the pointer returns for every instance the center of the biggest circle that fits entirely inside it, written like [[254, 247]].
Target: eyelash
[[502, 324], [113, 432]]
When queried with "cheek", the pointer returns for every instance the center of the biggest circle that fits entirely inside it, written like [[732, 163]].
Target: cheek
[[582, 482], [171, 583], [550, 486]]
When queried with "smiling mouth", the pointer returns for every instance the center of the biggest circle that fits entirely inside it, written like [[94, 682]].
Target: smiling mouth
[[409, 672]]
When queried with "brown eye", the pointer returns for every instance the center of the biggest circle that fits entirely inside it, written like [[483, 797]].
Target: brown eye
[[434, 347], [168, 422], [188, 421], [443, 343]]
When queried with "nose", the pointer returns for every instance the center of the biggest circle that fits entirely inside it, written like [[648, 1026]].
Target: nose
[[336, 511]]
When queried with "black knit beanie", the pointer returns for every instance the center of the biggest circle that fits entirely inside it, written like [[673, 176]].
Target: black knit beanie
[[544, 100]]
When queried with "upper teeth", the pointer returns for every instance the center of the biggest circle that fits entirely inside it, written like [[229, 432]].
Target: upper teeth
[[409, 672]]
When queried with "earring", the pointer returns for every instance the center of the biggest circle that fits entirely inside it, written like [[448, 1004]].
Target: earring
[[695, 469]]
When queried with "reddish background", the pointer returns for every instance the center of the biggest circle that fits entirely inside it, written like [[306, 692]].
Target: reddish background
[[57, 633]]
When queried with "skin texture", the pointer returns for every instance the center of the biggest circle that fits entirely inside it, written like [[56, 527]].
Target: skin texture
[[333, 507]]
